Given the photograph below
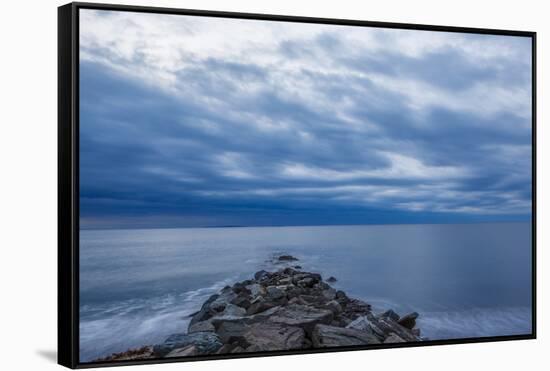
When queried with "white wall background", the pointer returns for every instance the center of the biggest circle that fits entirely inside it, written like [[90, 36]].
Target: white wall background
[[28, 181]]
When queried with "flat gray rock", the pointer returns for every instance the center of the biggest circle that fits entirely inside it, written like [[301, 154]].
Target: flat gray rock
[[231, 331], [363, 323], [255, 318], [275, 292], [331, 336], [389, 327], [187, 351], [233, 310], [204, 326], [255, 289], [302, 316], [273, 336]]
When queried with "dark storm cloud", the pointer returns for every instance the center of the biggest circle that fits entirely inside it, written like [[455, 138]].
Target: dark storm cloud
[[286, 129]]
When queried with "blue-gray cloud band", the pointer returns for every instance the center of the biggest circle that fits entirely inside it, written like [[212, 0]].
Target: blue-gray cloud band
[[291, 129]]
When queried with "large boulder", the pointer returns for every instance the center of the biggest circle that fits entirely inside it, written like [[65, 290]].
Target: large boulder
[[306, 279], [232, 331], [357, 307], [240, 288], [233, 310], [275, 292], [363, 323], [242, 301], [204, 326], [334, 307], [255, 289], [259, 305], [204, 313], [221, 302], [369, 324], [329, 294], [409, 320], [302, 316], [218, 304], [204, 342], [331, 336], [388, 327], [389, 314], [294, 291], [273, 336], [260, 274], [287, 258], [341, 297]]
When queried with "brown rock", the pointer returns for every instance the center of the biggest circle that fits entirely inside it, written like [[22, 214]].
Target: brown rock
[[131, 354]]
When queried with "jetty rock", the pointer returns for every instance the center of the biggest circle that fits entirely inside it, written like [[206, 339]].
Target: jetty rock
[[281, 310]]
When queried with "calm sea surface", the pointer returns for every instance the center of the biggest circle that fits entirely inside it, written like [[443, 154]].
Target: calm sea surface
[[465, 280]]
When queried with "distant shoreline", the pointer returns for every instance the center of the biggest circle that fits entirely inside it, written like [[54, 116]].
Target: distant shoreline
[[309, 225]]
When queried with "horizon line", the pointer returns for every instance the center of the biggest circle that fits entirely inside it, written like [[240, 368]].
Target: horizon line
[[530, 220]]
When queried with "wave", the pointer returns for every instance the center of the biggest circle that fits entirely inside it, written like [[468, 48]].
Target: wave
[[116, 327], [479, 322]]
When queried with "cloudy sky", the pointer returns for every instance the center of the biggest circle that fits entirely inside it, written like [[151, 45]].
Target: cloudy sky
[[198, 121]]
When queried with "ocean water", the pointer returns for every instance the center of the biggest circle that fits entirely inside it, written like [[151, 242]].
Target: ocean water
[[466, 280]]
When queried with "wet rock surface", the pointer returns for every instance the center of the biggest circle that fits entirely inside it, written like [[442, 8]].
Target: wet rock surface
[[281, 310]]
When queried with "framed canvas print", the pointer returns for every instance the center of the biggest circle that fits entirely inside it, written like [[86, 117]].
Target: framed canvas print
[[239, 185]]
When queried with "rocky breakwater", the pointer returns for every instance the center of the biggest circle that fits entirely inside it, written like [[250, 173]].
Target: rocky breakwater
[[282, 310]]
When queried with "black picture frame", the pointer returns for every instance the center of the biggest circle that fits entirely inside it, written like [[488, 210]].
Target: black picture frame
[[68, 177]]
